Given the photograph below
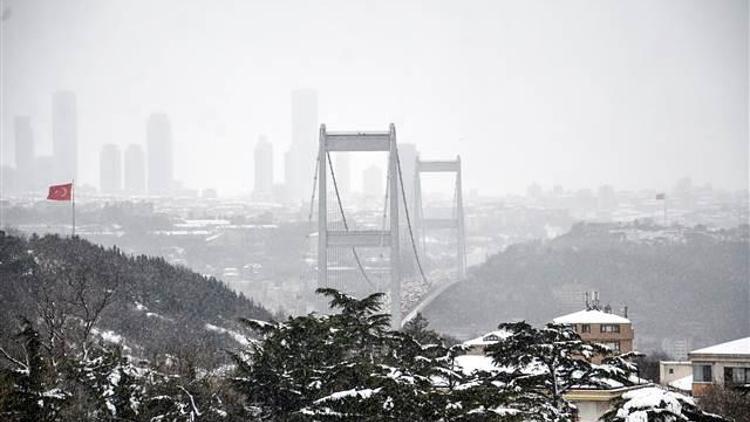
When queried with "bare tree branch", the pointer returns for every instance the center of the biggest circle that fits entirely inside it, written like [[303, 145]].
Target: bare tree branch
[[14, 360]]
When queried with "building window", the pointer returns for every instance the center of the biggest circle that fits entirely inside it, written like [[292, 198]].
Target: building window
[[610, 328], [671, 370], [737, 375], [702, 373], [585, 328]]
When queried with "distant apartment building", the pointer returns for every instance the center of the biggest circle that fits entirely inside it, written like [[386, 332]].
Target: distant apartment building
[[726, 364], [593, 325], [135, 170], [678, 348], [65, 135], [110, 169], [478, 346], [160, 154], [608, 329]]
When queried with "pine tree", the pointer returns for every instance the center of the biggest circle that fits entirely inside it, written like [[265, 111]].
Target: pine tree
[[345, 365], [34, 392], [105, 384], [656, 404], [547, 362], [417, 328]]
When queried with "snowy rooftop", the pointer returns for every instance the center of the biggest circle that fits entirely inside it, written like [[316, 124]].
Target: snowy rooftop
[[471, 363], [735, 347], [489, 338], [651, 397], [591, 317], [685, 383]]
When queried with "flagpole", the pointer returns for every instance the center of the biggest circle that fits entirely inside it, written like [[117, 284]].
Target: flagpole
[[73, 204]]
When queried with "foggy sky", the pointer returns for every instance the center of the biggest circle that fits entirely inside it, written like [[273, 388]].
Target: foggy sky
[[634, 93]]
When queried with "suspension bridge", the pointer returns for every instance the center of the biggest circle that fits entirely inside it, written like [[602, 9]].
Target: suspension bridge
[[387, 252]]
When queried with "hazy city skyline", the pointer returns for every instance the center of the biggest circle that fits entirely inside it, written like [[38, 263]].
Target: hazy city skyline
[[636, 94]]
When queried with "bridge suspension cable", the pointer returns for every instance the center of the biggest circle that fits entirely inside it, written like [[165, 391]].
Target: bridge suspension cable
[[315, 185], [412, 240], [408, 219], [343, 219]]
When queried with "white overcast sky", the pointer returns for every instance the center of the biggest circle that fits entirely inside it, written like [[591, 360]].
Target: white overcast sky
[[634, 93]]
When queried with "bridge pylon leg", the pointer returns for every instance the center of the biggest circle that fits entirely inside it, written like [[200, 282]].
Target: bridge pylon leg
[[456, 223]]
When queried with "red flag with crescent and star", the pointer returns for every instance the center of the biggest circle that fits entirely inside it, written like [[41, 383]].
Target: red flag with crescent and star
[[60, 192]]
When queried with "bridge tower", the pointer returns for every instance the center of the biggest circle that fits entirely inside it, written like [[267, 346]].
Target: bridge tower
[[336, 238], [456, 223]]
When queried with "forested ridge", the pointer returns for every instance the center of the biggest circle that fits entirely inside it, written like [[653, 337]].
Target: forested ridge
[[147, 305], [678, 282]]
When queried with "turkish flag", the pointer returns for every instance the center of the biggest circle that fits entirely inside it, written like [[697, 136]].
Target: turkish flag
[[60, 192]]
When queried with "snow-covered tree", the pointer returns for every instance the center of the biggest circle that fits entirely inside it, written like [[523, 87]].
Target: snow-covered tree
[[345, 365], [547, 362], [104, 384], [32, 388], [656, 404], [350, 366]]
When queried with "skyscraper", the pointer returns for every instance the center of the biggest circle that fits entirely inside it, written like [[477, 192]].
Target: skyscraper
[[300, 160], [372, 182], [65, 135], [263, 168], [110, 169], [135, 170], [24, 153], [159, 148]]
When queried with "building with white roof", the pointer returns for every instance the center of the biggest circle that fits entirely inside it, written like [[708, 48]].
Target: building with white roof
[[726, 364], [478, 345], [606, 328], [591, 316]]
